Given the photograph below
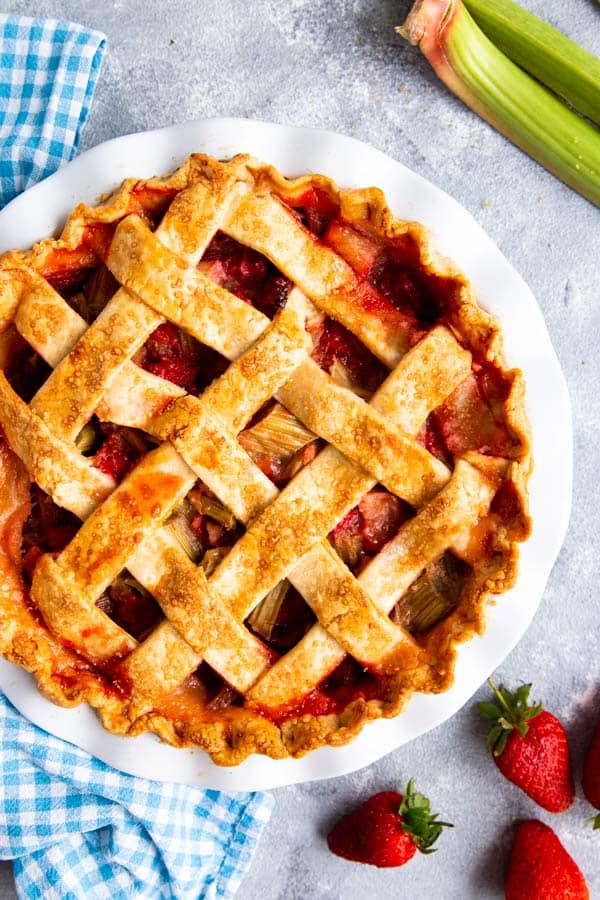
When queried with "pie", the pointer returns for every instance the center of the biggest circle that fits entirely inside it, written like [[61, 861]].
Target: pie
[[262, 461]]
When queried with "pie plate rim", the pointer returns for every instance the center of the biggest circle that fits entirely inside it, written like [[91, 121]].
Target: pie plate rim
[[296, 150]]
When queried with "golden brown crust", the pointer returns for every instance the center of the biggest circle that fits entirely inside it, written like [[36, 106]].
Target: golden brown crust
[[372, 442]]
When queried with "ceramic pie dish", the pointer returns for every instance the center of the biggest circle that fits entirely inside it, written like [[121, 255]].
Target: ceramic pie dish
[[279, 462]]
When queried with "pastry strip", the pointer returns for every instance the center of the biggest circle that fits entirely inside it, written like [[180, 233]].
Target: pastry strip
[[420, 540], [131, 232], [230, 581], [58, 468], [331, 411], [266, 225], [65, 588], [72, 392]]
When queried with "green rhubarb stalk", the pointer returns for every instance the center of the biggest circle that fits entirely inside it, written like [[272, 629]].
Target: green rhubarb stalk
[[543, 51], [507, 97]]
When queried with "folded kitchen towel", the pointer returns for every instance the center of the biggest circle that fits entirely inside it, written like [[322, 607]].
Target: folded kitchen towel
[[48, 72], [76, 828]]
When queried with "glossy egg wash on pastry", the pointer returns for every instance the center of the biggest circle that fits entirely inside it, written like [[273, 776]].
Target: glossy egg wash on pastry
[[262, 461]]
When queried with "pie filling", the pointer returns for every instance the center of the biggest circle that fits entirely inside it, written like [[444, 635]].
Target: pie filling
[[395, 285]]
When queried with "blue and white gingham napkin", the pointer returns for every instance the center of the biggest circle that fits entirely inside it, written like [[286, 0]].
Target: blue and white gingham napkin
[[76, 828], [48, 72]]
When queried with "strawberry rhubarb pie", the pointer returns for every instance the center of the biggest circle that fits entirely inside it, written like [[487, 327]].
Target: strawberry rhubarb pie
[[262, 463]]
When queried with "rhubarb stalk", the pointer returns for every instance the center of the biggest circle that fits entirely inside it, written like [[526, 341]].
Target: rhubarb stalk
[[507, 97], [546, 53]]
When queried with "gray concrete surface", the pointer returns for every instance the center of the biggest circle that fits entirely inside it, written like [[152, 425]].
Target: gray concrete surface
[[338, 64]]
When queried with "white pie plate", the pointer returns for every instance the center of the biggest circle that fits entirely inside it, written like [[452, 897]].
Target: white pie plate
[[42, 210]]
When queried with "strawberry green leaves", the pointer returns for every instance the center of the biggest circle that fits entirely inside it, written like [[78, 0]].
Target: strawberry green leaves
[[511, 712], [418, 820]]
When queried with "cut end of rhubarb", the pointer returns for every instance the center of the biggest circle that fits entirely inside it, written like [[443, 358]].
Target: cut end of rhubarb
[[427, 17]]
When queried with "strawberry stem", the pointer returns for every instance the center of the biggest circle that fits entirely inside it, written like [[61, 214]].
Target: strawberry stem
[[511, 712], [418, 821], [595, 822]]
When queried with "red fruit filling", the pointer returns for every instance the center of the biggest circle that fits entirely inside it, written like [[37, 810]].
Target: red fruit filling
[[368, 527], [246, 273], [293, 620], [333, 342], [315, 210], [25, 369], [130, 606], [399, 276], [48, 529], [348, 682], [172, 354], [473, 416], [116, 457]]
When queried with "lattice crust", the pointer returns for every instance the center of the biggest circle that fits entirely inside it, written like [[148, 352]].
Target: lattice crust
[[59, 632]]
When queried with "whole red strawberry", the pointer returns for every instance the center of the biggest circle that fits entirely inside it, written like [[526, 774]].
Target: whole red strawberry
[[540, 867], [591, 774], [530, 747], [387, 829]]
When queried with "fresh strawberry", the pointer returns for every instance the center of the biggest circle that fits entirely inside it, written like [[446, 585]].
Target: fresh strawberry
[[387, 830], [530, 747], [591, 774], [540, 867]]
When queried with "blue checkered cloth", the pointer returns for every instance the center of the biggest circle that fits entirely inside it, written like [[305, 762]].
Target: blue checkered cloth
[[79, 830], [76, 828], [48, 71]]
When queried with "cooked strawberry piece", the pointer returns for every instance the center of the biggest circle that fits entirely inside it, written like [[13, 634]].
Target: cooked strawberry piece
[[211, 533], [25, 370], [399, 276], [359, 250], [368, 526], [175, 356], [348, 682], [48, 529], [293, 621], [431, 438], [246, 273], [397, 283], [133, 611], [98, 238], [64, 268], [115, 457], [164, 342], [57, 538], [214, 532], [274, 295], [314, 704], [335, 342], [48, 515], [316, 210], [472, 418], [381, 514], [177, 371]]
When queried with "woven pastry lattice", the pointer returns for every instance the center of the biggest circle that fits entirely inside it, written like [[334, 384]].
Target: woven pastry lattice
[[367, 442]]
